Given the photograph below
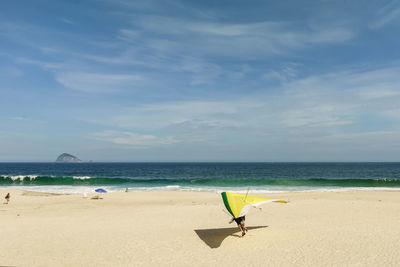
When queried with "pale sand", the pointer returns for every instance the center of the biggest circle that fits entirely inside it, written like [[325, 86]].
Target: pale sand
[[190, 229]]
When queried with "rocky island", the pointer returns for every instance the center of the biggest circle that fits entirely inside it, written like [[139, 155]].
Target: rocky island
[[65, 157]]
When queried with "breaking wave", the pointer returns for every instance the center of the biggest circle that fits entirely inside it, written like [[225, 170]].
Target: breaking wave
[[200, 182]]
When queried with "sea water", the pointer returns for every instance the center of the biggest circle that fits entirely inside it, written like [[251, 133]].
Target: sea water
[[205, 177]]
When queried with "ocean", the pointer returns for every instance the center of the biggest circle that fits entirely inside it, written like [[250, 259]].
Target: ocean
[[202, 177]]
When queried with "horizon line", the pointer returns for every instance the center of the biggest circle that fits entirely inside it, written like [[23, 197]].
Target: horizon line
[[1, 162]]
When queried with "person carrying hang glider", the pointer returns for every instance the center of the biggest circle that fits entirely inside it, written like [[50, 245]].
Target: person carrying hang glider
[[238, 205], [241, 224]]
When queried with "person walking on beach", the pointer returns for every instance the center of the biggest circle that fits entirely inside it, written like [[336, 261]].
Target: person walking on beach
[[7, 198], [240, 224]]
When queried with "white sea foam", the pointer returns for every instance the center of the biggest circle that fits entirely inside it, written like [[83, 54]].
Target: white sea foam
[[255, 190], [171, 187], [61, 189], [81, 177], [68, 189], [20, 177]]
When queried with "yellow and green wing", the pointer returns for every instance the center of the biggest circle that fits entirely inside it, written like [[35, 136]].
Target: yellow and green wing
[[239, 204]]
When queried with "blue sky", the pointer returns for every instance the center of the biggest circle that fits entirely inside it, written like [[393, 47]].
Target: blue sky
[[119, 80]]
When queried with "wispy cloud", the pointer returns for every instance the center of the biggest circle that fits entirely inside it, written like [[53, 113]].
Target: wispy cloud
[[176, 44], [285, 74], [47, 65], [203, 72], [19, 118], [387, 14], [245, 39], [67, 21], [378, 141], [308, 109], [98, 82], [184, 75], [156, 116], [134, 139], [90, 82]]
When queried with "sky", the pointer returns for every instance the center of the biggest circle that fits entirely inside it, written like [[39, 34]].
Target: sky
[[200, 81]]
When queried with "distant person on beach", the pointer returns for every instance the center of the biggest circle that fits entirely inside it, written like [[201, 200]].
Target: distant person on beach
[[126, 190], [7, 198], [240, 224]]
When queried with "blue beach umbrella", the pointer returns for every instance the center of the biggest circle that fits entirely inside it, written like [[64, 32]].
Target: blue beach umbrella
[[100, 190]]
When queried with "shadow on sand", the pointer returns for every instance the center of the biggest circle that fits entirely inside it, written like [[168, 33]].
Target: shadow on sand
[[214, 237]]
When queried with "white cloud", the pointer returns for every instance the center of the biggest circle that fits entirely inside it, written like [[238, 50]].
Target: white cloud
[[246, 39], [19, 118], [161, 43], [386, 15], [91, 82], [134, 139], [52, 66], [317, 117], [392, 113], [372, 140], [152, 117], [203, 72], [327, 110], [67, 21], [383, 92], [98, 82], [285, 74]]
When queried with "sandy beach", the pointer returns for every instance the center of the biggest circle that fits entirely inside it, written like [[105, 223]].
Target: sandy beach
[[191, 229]]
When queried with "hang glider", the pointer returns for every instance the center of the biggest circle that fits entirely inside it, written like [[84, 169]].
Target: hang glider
[[239, 205]]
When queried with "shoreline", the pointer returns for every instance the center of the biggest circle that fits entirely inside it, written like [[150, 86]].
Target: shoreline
[[76, 189], [167, 228]]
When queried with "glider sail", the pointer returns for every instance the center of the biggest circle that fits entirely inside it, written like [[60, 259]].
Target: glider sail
[[239, 204]]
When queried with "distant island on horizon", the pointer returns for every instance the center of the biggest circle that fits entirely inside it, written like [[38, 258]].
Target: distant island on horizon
[[77, 160], [65, 157]]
